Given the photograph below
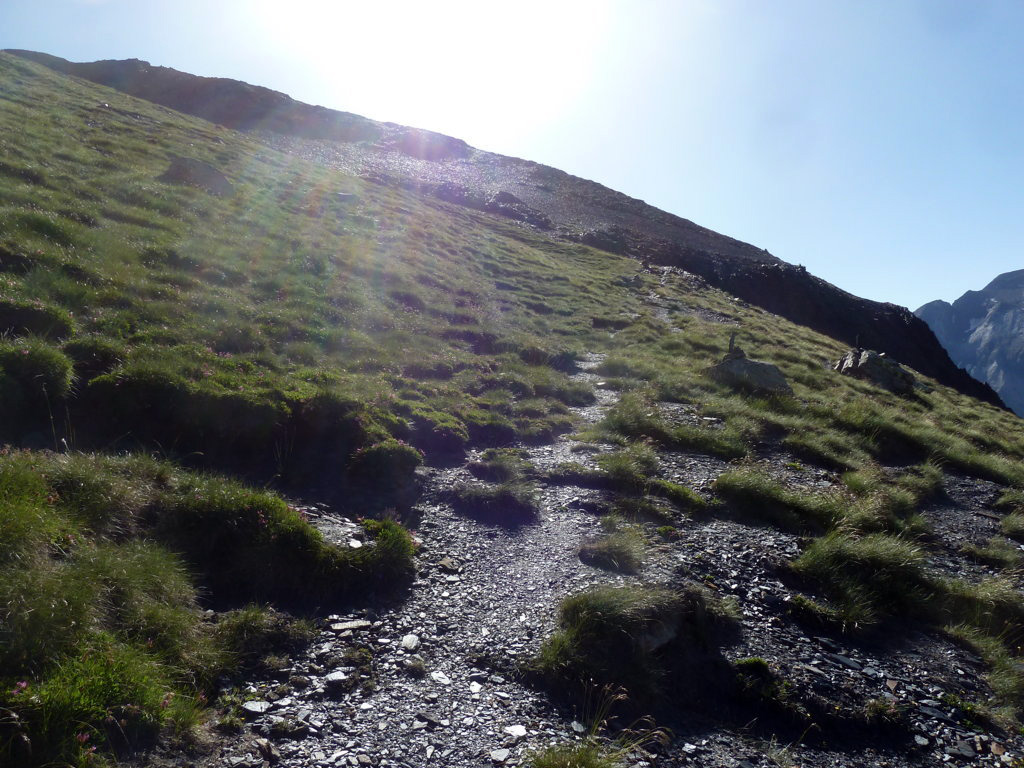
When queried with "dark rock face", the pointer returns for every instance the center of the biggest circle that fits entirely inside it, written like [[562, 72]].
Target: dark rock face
[[984, 332], [539, 196]]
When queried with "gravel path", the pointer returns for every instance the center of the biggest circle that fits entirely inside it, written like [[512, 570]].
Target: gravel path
[[421, 683]]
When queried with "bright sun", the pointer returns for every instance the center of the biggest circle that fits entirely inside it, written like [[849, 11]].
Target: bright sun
[[463, 68]]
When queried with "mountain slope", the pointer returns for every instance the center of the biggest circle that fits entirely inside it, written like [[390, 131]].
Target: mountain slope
[[544, 197], [984, 333], [832, 569]]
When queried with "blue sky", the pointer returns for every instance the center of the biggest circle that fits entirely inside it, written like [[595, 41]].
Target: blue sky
[[878, 142]]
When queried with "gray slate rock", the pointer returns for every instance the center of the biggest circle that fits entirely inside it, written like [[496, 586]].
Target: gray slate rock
[[738, 371], [877, 368], [256, 708]]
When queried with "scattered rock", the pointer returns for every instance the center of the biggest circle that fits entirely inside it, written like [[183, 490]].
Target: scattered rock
[[270, 753], [500, 755], [411, 642]]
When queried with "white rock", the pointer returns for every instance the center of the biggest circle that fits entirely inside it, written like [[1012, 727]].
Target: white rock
[[256, 707], [440, 677], [410, 642], [516, 731]]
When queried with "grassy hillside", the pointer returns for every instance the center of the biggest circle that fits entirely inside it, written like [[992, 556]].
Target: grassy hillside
[[315, 331]]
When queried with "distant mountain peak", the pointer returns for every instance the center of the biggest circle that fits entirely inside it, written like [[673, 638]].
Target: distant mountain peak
[[983, 331]]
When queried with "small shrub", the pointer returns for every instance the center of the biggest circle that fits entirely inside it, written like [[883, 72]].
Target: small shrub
[[992, 606], [1013, 525], [506, 504], [498, 465], [489, 428], [253, 633], [586, 755], [635, 637], [93, 355], [869, 577], [34, 318], [34, 378], [727, 443], [756, 495], [634, 418], [997, 552], [631, 469], [387, 463], [833, 450], [884, 712], [109, 696], [619, 551], [1010, 500]]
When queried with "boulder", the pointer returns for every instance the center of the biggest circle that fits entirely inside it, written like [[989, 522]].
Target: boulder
[[196, 173], [875, 367], [738, 371]]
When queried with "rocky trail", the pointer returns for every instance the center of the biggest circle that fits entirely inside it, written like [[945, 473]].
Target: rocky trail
[[428, 681], [483, 591]]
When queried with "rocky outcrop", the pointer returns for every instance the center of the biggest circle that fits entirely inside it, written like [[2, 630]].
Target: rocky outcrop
[[755, 376], [983, 331], [539, 196], [875, 367]]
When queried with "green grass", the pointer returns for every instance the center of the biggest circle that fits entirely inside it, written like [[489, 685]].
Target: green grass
[[106, 565], [498, 465], [620, 549], [868, 577], [587, 755], [639, 638], [1013, 525], [510, 504], [997, 552], [756, 496], [302, 343]]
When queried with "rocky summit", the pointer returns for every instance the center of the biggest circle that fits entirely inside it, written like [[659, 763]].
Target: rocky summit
[[327, 442], [982, 331]]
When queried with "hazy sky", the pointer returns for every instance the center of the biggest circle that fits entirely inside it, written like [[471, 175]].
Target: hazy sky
[[878, 142]]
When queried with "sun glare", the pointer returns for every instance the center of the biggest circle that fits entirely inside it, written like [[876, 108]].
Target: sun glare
[[463, 68]]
